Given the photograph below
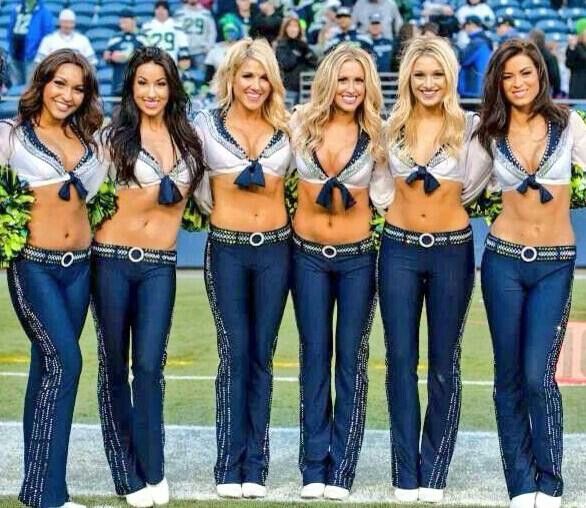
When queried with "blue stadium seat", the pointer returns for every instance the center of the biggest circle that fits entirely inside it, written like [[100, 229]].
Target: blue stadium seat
[[105, 74], [99, 46], [83, 22], [8, 109], [55, 7], [532, 4], [108, 22], [515, 12], [105, 89], [552, 25], [85, 9], [522, 25], [573, 13], [144, 8], [558, 37], [3, 33], [126, 3], [16, 90], [4, 20], [112, 9], [4, 44], [540, 13], [495, 4], [99, 33]]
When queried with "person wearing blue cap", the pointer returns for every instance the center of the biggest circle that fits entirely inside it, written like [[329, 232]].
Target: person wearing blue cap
[[473, 58], [381, 45], [347, 33]]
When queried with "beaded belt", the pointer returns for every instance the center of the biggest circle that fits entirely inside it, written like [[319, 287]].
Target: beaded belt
[[530, 254], [254, 239], [55, 257], [331, 251], [427, 240], [134, 254]]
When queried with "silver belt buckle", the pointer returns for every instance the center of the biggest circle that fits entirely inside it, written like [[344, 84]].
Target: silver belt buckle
[[256, 243], [426, 240], [528, 254], [329, 251], [67, 259], [132, 257]]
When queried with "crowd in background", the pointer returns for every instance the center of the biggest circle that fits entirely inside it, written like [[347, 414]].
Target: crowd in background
[[198, 33]]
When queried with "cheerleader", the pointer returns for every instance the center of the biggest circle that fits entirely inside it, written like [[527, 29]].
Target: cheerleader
[[337, 142], [155, 159], [246, 147], [528, 265], [50, 146], [427, 254]]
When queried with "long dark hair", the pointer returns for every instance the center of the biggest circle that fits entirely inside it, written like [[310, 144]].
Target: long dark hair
[[496, 110], [123, 135], [86, 119]]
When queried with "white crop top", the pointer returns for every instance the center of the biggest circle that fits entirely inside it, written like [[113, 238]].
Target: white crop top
[[360, 172], [564, 147], [225, 156], [472, 172], [36, 164]]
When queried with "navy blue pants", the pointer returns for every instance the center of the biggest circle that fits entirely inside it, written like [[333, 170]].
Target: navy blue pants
[[133, 294], [331, 432], [440, 269], [50, 294], [247, 281], [528, 303]]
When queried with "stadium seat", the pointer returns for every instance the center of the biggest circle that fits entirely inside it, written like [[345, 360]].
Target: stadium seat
[[105, 89], [3, 33], [495, 4], [99, 46], [515, 12], [4, 20], [573, 13], [539, 13], [108, 22], [55, 7], [127, 3], [558, 37], [533, 4], [113, 9], [522, 25], [83, 22], [86, 9], [98, 33], [552, 25], [8, 109], [105, 75], [4, 44], [16, 90]]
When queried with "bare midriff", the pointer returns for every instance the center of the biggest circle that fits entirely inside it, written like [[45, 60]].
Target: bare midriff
[[141, 221], [439, 211], [57, 224], [526, 221], [258, 209], [334, 226]]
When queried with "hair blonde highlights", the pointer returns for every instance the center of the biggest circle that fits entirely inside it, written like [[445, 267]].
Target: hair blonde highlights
[[401, 127], [319, 110], [273, 109]]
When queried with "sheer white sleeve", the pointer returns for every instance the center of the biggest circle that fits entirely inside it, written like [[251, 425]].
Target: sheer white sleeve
[[476, 163], [5, 140], [578, 130], [382, 187], [203, 192]]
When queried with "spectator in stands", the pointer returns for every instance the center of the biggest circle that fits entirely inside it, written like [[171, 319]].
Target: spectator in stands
[[200, 27], [576, 61], [29, 22], [347, 33], [406, 33], [4, 72], [441, 13], [66, 38], [245, 10], [474, 58], [429, 28], [551, 62], [165, 33], [391, 19], [293, 55], [324, 26], [232, 31], [476, 8], [121, 47], [266, 21], [505, 28], [381, 45]]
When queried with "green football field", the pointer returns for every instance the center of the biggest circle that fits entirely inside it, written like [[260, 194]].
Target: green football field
[[192, 362]]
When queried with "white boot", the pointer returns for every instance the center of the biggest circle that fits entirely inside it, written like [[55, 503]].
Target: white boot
[[253, 490], [160, 492], [313, 490], [229, 490], [406, 495], [431, 495], [141, 498], [336, 493], [523, 501], [545, 501]]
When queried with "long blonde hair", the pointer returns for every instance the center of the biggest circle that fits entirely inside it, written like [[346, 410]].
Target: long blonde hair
[[401, 127], [273, 109], [319, 110]]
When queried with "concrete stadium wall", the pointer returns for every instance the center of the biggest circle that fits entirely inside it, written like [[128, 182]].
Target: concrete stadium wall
[[191, 246]]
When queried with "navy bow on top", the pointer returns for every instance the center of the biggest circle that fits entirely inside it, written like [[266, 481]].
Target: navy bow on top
[[169, 193], [544, 194], [251, 175], [65, 191], [324, 198], [430, 183]]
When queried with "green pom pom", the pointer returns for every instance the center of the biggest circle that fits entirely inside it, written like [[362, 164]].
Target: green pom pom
[[16, 200], [488, 206], [578, 181], [291, 183], [377, 223], [193, 219], [103, 205]]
